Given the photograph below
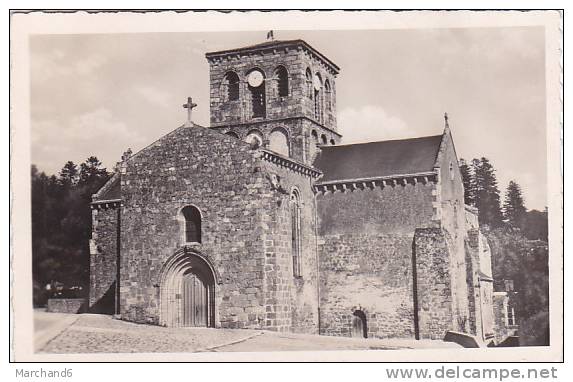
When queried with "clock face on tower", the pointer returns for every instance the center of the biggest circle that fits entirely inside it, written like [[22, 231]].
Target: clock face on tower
[[255, 79]]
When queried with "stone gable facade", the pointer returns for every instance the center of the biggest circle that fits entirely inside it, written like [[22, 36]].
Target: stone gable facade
[[264, 221]]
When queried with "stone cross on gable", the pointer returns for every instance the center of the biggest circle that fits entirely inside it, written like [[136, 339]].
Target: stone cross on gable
[[189, 106]]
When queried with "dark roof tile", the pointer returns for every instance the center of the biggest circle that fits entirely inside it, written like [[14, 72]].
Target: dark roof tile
[[378, 159], [111, 190]]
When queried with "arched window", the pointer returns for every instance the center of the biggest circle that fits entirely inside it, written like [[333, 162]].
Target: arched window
[[232, 84], [281, 76], [323, 139], [318, 111], [309, 83], [295, 233], [256, 81], [328, 95], [332, 142], [192, 223], [232, 134], [278, 142], [255, 138], [314, 135]]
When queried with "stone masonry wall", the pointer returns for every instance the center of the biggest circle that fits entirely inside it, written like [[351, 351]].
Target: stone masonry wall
[[371, 273], [480, 291], [294, 113], [501, 301], [366, 256], [66, 305], [245, 230], [453, 221], [398, 209], [472, 262], [433, 283], [221, 177], [296, 104], [302, 145], [291, 302], [103, 260]]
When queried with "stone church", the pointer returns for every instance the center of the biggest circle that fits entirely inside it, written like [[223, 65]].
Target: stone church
[[265, 221]]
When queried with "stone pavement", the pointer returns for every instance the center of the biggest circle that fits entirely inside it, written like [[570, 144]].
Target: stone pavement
[[272, 341], [49, 325], [91, 333]]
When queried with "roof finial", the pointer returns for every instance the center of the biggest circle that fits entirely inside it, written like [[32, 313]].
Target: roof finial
[[270, 35], [446, 120], [126, 155], [189, 106]]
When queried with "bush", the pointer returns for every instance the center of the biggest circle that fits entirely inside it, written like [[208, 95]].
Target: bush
[[534, 331]]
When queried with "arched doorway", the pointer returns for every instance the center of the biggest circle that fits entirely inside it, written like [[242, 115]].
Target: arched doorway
[[195, 300], [187, 291], [359, 325]]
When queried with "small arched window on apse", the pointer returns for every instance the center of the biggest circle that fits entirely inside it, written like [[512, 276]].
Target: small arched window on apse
[[323, 139], [278, 142], [231, 83], [309, 83], [232, 134], [328, 95], [281, 77], [332, 142], [191, 224], [296, 233], [255, 138]]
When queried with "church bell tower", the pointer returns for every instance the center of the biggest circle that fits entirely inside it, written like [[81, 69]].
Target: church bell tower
[[280, 95]]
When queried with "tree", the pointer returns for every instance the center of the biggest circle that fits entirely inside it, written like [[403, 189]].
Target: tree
[[91, 172], [535, 225], [487, 198], [61, 224], [526, 263], [69, 174], [513, 205], [468, 182]]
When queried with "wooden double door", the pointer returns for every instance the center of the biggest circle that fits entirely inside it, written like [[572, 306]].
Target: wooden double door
[[197, 301]]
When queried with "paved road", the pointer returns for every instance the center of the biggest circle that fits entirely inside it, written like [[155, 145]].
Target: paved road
[[91, 333]]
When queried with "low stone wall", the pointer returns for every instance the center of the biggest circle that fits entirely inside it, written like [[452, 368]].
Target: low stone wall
[[67, 305]]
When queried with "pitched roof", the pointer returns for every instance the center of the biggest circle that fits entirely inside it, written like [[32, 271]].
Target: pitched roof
[[274, 44], [378, 159], [111, 190]]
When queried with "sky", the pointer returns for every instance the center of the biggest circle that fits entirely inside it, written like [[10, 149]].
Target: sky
[[100, 94]]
